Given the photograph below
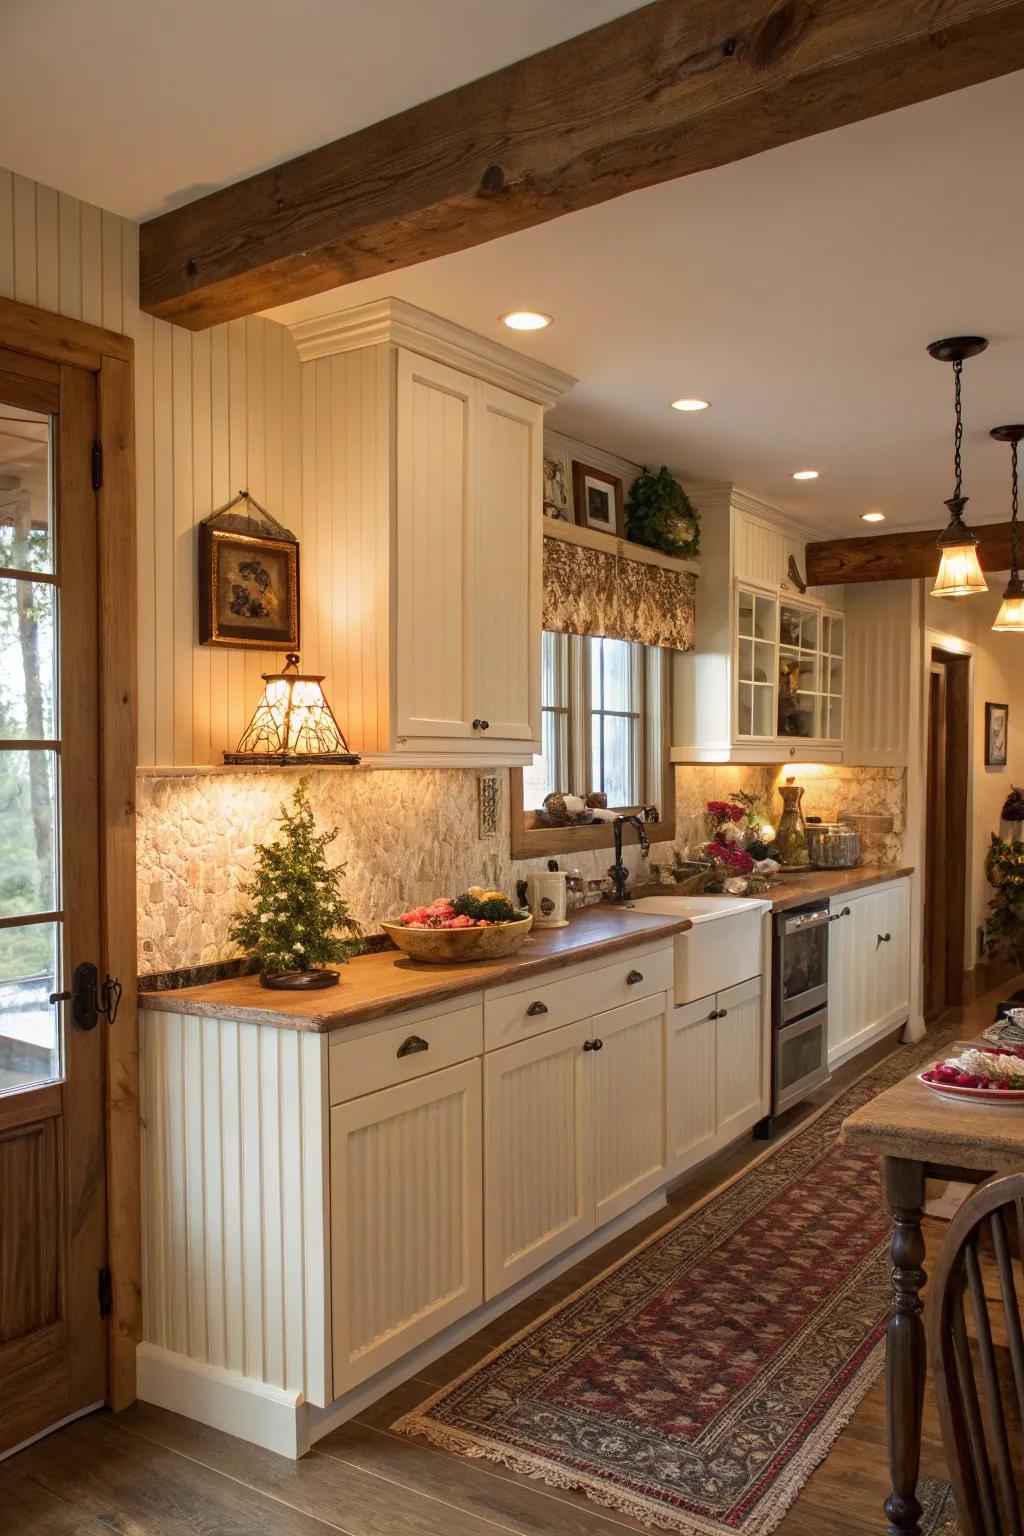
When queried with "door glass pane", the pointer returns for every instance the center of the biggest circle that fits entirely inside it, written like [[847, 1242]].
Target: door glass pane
[[29, 1032], [26, 660], [28, 854], [26, 525]]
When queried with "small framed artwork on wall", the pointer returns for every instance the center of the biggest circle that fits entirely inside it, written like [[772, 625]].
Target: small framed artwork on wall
[[248, 580], [997, 720], [598, 498]]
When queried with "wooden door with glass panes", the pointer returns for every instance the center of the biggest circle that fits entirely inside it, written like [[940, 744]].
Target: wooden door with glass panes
[[53, 1239]]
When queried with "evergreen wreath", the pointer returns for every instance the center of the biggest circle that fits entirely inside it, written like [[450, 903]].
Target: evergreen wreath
[[298, 912], [660, 515]]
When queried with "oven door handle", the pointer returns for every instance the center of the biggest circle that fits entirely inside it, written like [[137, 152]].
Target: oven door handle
[[808, 920]]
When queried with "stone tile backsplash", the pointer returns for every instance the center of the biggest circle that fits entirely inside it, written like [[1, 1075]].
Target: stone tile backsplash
[[404, 836]]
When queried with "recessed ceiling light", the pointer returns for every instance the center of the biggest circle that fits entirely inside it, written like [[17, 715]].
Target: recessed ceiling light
[[525, 320], [805, 474], [690, 405], [872, 517]]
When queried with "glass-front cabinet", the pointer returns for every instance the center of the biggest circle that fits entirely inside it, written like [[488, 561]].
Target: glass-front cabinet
[[789, 669]]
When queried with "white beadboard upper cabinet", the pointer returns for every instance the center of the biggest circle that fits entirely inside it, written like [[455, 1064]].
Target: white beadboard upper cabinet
[[422, 486], [883, 673], [765, 681]]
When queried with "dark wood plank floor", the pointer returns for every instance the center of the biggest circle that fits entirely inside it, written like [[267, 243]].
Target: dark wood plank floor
[[150, 1473]]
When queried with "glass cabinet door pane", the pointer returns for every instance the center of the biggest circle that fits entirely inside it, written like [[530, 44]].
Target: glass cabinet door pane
[[764, 617], [745, 659], [836, 629], [30, 1047], [745, 613], [764, 660]]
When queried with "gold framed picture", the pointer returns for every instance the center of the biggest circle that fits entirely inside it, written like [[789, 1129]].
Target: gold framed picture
[[248, 590]]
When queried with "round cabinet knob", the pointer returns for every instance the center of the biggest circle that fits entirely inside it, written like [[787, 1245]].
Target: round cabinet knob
[[723, 1013], [598, 1045], [634, 977], [845, 912], [713, 1014], [535, 1009], [792, 751], [481, 725], [588, 1045]]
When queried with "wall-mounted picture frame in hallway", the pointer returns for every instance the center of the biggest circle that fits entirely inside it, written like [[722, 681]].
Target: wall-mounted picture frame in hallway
[[248, 579], [997, 731], [597, 498]]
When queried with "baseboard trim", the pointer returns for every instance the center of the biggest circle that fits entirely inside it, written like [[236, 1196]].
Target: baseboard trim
[[321, 1421], [239, 1405]]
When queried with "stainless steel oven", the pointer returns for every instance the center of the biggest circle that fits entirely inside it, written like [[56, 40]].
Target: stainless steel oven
[[799, 1003]]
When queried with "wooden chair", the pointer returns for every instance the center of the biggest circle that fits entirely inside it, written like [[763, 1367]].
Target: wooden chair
[[981, 1430]]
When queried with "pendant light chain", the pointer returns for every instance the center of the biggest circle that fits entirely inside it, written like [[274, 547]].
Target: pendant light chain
[[958, 435], [1014, 552]]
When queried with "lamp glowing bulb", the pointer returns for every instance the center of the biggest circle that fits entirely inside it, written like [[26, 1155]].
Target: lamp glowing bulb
[[525, 320]]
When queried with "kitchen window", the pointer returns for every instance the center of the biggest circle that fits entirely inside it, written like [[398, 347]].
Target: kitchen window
[[604, 716]]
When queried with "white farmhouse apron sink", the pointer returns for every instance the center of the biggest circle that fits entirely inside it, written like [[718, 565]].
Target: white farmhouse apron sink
[[724, 946]]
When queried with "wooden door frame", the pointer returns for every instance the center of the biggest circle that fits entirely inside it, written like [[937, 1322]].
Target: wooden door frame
[[40, 334], [953, 835]]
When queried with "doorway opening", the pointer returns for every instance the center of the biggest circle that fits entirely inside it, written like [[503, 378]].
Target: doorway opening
[[945, 875]]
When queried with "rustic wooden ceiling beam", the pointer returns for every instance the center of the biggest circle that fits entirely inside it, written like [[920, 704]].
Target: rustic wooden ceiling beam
[[897, 556], [674, 87]]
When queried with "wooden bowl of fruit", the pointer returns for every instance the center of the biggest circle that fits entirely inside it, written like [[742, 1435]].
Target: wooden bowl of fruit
[[478, 925]]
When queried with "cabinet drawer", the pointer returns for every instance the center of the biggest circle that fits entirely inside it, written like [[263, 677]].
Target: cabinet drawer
[[530, 1010], [408, 1050], [630, 979]]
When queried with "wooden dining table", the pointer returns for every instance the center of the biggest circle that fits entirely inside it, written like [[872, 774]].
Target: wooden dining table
[[920, 1134]]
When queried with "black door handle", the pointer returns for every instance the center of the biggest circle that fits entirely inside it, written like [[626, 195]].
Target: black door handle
[[89, 998]]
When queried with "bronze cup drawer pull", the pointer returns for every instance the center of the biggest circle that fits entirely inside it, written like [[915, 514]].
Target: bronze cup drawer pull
[[411, 1046], [634, 977], [535, 1009]]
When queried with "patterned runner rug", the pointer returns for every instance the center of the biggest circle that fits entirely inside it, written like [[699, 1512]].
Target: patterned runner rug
[[697, 1383]]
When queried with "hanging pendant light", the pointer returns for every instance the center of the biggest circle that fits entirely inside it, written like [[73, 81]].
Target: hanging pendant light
[[1011, 615], [960, 573], [292, 724]]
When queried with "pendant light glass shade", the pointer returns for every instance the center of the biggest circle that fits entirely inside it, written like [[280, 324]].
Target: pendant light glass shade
[[1010, 618], [959, 573], [292, 724]]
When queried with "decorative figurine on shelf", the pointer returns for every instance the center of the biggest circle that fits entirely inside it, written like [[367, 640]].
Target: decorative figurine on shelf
[[297, 911]]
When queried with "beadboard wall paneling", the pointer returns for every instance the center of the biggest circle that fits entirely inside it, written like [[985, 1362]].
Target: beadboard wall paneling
[[233, 1138], [215, 413]]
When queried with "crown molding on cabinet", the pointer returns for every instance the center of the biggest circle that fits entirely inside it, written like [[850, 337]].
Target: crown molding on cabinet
[[406, 325]]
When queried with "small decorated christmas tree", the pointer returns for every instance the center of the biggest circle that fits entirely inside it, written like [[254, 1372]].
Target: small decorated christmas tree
[[298, 921]]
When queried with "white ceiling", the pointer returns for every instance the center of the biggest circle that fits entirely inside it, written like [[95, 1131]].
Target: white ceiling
[[797, 292], [139, 105]]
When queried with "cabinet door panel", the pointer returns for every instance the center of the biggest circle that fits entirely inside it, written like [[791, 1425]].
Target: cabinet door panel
[[538, 1168], [894, 917], [436, 464], [692, 1109], [503, 568], [406, 1248], [627, 1083], [738, 1073]]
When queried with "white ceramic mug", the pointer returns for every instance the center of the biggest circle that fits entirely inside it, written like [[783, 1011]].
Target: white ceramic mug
[[545, 897]]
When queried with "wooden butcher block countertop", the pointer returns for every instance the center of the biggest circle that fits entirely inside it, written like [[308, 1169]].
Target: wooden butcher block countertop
[[373, 986], [797, 890]]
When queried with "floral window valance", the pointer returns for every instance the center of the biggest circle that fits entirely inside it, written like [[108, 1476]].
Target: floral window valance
[[599, 592]]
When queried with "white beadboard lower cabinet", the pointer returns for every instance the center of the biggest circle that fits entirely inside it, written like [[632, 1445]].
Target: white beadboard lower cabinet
[[869, 967], [322, 1213], [717, 1084], [406, 1211], [538, 1169], [236, 1320], [627, 1092]]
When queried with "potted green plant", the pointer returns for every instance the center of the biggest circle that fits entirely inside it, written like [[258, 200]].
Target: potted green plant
[[660, 515], [298, 924]]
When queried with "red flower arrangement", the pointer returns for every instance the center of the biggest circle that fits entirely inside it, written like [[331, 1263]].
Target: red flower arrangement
[[722, 810], [733, 858]]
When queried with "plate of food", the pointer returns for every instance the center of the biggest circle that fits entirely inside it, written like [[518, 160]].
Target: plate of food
[[993, 1074]]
